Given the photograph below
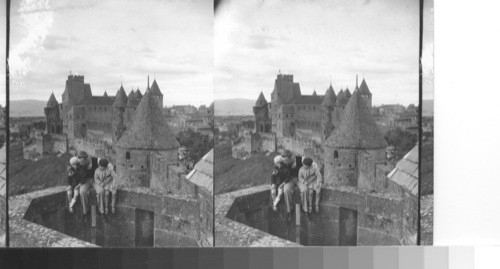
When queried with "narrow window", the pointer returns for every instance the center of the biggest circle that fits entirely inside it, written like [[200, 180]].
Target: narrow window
[[335, 154], [127, 155]]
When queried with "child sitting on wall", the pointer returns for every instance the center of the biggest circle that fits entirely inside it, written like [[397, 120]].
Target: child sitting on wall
[[104, 176], [76, 176], [278, 179], [310, 177]]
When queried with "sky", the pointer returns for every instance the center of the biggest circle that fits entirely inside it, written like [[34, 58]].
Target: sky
[[428, 51], [3, 47], [313, 40], [112, 42]]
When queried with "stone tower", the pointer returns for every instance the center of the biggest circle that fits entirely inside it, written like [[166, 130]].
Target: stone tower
[[132, 103], [365, 93], [339, 108], [148, 137], [261, 113], [156, 93], [327, 108], [52, 115], [356, 134], [119, 105]]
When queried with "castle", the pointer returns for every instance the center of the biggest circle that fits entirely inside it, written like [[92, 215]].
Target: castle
[[292, 114], [129, 129], [82, 115], [337, 130]]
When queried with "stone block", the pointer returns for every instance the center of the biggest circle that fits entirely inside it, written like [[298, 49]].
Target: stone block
[[182, 226], [164, 238], [387, 207], [381, 224], [367, 237]]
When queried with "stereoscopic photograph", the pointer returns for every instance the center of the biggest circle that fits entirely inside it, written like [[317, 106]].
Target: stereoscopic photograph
[[3, 131], [111, 123], [316, 123]]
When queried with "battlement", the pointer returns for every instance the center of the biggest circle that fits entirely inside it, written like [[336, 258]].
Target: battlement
[[285, 77], [76, 78]]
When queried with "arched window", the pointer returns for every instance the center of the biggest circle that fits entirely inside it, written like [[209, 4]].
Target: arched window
[[335, 154], [127, 155]]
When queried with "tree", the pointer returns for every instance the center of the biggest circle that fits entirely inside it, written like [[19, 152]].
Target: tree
[[196, 143]]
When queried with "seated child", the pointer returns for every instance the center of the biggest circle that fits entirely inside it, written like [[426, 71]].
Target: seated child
[[310, 177], [104, 176], [278, 179], [76, 176]]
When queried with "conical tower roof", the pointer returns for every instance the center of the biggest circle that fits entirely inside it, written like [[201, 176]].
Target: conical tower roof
[[132, 99], [363, 88], [357, 130], [330, 98], [138, 94], [341, 99], [52, 101], [314, 93], [347, 93], [105, 94], [149, 128], [121, 98], [261, 100], [155, 90]]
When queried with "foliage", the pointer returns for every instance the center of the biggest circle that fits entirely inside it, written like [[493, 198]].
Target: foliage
[[401, 140], [196, 143]]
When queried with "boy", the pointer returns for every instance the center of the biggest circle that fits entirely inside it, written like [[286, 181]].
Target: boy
[[310, 180], [104, 176], [76, 176], [278, 178]]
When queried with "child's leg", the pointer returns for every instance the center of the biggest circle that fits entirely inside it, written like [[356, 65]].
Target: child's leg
[[69, 192], [113, 199], [318, 195], [75, 197], [280, 193], [106, 198], [310, 198], [273, 192]]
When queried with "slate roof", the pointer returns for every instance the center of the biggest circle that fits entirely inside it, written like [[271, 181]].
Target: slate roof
[[121, 98], [102, 101], [347, 93], [341, 99], [363, 88], [149, 128], [132, 99], [309, 99], [260, 101], [52, 101], [105, 94], [330, 98], [405, 174], [202, 173], [357, 129], [155, 90], [138, 94]]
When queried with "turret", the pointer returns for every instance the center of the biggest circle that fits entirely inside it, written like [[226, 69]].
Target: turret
[[119, 105], [52, 116], [327, 108], [356, 133], [261, 113], [148, 137]]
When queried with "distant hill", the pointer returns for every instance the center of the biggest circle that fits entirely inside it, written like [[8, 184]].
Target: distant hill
[[25, 108], [232, 107], [428, 108]]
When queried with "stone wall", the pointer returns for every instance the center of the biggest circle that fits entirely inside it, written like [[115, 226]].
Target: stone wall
[[260, 142], [91, 146]]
